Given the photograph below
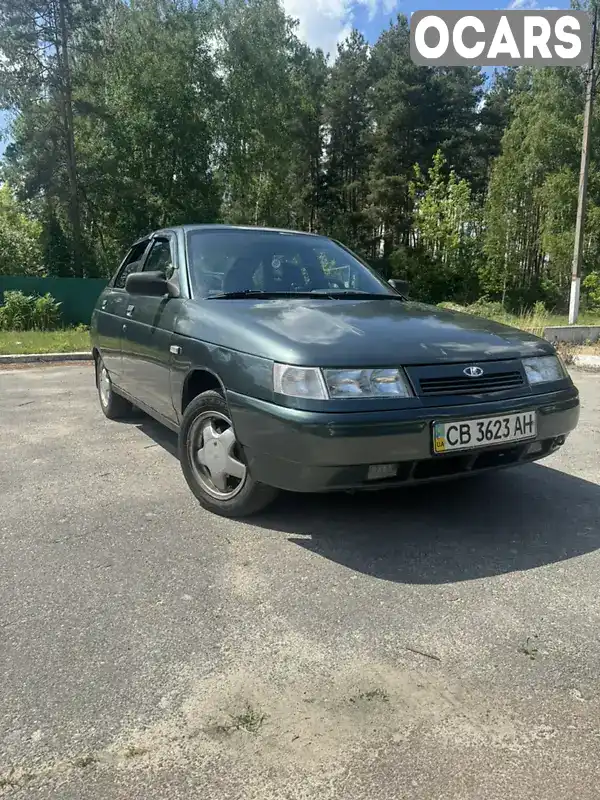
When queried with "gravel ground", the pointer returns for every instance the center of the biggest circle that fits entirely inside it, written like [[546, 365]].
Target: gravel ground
[[432, 643]]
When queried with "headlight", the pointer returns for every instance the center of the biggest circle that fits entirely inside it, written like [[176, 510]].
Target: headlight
[[546, 369], [366, 383], [304, 382], [313, 383]]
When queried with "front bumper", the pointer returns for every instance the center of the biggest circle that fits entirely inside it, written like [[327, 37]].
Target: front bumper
[[306, 451]]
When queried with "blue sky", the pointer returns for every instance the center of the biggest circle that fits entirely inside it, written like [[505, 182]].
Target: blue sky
[[323, 23]]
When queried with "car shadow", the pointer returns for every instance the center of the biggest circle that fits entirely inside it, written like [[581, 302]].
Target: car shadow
[[492, 524], [160, 435], [482, 526]]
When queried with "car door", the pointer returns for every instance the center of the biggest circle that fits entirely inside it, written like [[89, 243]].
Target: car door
[[148, 333], [111, 311]]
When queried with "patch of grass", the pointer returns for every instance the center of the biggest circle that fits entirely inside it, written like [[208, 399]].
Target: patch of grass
[[249, 720], [69, 340], [134, 751], [537, 322], [370, 696], [531, 321]]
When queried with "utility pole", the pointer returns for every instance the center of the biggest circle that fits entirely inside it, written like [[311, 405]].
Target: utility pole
[[583, 178]]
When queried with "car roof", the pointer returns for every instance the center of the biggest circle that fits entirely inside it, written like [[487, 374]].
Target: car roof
[[219, 227], [188, 228]]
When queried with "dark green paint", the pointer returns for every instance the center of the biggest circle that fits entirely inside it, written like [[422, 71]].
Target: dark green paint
[[315, 451]]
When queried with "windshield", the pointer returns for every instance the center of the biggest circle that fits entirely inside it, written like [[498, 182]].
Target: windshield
[[224, 262]]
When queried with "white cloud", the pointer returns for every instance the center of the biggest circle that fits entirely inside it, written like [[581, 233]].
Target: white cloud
[[324, 23], [376, 7], [522, 4]]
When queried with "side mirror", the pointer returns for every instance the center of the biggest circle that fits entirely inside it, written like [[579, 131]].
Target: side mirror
[[402, 287], [151, 284]]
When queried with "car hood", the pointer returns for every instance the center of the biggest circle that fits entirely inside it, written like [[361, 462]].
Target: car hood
[[354, 332]]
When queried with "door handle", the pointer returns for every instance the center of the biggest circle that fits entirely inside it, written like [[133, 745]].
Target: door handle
[[124, 328], [130, 310]]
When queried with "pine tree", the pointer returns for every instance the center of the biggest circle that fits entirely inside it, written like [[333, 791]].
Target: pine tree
[[349, 144]]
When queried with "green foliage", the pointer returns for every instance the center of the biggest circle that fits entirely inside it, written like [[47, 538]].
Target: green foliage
[[261, 64], [415, 266], [444, 234], [54, 243], [416, 112], [484, 307], [17, 311], [46, 313], [21, 312], [446, 227], [20, 252], [532, 198], [349, 154], [591, 286]]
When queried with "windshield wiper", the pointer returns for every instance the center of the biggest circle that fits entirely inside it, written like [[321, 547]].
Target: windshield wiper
[[329, 294], [353, 294], [251, 293]]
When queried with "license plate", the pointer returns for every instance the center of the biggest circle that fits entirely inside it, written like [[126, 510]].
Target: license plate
[[486, 432]]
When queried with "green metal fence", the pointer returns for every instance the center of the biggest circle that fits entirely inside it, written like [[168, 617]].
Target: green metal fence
[[77, 295]]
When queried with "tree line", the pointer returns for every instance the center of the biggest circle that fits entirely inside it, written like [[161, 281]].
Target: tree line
[[129, 116]]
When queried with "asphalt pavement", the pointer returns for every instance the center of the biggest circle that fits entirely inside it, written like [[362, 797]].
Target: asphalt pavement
[[440, 642]]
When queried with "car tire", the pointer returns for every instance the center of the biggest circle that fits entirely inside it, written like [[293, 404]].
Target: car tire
[[213, 461], [112, 404]]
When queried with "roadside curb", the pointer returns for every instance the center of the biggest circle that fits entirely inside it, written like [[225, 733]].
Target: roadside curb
[[572, 334], [588, 363], [32, 358]]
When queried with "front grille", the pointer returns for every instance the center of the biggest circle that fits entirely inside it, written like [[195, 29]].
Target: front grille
[[461, 384]]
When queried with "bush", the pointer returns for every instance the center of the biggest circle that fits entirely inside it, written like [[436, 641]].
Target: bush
[[539, 309], [46, 315], [430, 280], [17, 312], [487, 308], [22, 312], [448, 306], [591, 286]]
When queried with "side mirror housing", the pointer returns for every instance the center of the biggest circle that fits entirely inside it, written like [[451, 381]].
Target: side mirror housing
[[402, 287], [151, 284]]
